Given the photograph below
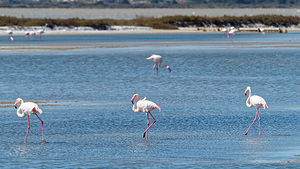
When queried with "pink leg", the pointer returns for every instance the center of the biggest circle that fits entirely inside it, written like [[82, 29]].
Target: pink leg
[[231, 37], [258, 122], [251, 124], [27, 130], [154, 69], [42, 128], [147, 124], [150, 125]]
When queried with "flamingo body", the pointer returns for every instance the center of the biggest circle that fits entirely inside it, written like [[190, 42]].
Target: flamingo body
[[144, 106], [26, 109], [257, 102]]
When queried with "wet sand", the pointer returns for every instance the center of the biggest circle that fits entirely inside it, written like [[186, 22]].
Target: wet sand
[[68, 47]]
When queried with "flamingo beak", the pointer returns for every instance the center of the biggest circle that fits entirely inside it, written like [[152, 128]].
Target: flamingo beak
[[16, 105], [246, 93], [132, 100]]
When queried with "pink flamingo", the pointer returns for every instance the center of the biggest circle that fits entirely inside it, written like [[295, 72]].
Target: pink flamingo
[[224, 30], [10, 35], [157, 59], [29, 108], [257, 102], [144, 106], [232, 32]]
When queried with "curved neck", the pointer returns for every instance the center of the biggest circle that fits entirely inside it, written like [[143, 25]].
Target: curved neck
[[248, 100], [134, 107]]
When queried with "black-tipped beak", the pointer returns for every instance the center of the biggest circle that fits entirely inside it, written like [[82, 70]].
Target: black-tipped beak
[[245, 94], [16, 107], [132, 102]]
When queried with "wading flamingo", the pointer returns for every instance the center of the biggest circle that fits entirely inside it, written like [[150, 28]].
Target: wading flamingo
[[144, 106], [232, 32], [224, 30], [157, 59], [10, 35], [29, 108], [257, 102]]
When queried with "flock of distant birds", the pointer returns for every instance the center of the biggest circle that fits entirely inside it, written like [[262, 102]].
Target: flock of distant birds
[[28, 34], [142, 105], [32, 34]]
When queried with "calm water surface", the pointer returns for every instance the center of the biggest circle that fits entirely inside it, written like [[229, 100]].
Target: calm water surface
[[203, 115]]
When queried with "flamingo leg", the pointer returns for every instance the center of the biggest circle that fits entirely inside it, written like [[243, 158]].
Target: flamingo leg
[[27, 130], [154, 68], [42, 128], [231, 37], [259, 122], [147, 124], [150, 125], [251, 123]]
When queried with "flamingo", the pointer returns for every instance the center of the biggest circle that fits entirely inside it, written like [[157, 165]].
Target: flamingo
[[157, 59], [224, 30], [29, 108], [261, 30], [40, 32], [232, 32], [257, 102], [27, 34], [10, 35], [144, 106]]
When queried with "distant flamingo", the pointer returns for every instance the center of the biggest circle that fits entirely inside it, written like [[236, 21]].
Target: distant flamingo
[[257, 102], [232, 32], [40, 32], [261, 30], [10, 35], [29, 108], [32, 34], [157, 59], [27, 35], [144, 106], [224, 30]]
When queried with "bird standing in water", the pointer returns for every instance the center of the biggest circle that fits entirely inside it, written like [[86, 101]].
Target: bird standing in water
[[144, 106], [257, 102], [157, 59], [29, 108]]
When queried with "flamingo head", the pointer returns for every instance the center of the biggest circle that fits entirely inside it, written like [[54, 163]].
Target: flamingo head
[[168, 67], [19, 100], [247, 89], [134, 97]]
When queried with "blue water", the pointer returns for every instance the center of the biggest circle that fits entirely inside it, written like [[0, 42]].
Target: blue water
[[203, 115]]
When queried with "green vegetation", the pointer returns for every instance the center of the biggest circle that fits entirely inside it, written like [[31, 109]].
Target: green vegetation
[[168, 22], [149, 3]]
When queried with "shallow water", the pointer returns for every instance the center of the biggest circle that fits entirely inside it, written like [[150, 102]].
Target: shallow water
[[203, 115]]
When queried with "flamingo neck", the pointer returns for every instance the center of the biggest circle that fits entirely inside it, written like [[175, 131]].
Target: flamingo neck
[[134, 107], [248, 100]]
